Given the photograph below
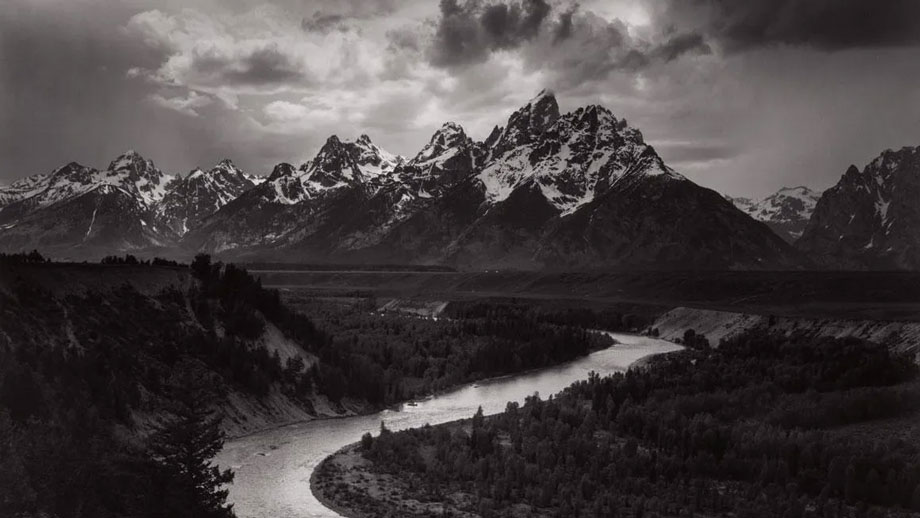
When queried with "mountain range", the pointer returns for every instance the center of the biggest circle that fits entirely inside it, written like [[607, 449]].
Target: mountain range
[[545, 190], [786, 211]]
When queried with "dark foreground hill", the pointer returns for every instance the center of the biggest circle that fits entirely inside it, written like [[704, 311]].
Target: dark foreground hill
[[96, 359]]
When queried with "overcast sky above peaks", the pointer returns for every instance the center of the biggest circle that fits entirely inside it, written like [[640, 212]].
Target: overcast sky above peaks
[[744, 97]]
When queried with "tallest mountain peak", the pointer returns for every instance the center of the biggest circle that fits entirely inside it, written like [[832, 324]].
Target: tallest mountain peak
[[539, 113], [543, 96], [528, 123], [544, 106], [544, 102]]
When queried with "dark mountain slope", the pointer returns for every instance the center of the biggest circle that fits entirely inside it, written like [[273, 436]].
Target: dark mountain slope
[[583, 190], [870, 219], [664, 223]]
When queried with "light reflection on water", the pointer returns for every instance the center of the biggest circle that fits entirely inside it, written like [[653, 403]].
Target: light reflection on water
[[273, 467]]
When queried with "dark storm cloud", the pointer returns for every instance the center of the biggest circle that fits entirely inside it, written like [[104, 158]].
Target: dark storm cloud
[[573, 42], [506, 25], [677, 46], [265, 66], [266, 81], [468, 31], [322, 22], [823, 24], [564, 27], [339, 15], [403, 38]]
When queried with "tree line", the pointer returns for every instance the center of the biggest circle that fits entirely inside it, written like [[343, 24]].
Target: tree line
[[763, 425]]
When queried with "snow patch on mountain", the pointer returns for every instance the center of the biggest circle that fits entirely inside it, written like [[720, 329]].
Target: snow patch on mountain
[[787, 210], [571, 159]]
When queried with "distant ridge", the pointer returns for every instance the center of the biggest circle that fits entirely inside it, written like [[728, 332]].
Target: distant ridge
[[786, 211]]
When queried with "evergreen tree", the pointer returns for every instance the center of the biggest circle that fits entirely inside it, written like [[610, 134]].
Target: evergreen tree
[[183, 448]]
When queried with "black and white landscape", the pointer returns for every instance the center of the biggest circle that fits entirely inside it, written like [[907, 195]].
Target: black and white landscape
[[576, 191], [471, 258]]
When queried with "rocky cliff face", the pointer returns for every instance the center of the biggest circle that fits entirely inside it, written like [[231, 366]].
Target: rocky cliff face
[[201, 193], [870, 219]]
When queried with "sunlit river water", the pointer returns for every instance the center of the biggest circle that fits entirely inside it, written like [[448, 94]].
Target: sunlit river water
[[273, 467]]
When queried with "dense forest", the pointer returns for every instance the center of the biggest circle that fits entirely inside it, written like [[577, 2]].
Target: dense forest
[[625, 317], [94, 382], [386, 358], [762, 426], [96, 413]]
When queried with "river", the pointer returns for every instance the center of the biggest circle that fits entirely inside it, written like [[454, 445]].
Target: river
[[273, 467]]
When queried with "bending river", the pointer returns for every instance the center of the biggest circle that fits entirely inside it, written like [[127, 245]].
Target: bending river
[[273, 467]]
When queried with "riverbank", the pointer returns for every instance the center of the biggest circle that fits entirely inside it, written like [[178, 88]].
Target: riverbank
[[242, 418], [900, 335], [708, 416], [346, 482], [273, 468]]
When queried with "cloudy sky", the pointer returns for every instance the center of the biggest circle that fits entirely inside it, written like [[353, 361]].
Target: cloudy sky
[[743, 97]]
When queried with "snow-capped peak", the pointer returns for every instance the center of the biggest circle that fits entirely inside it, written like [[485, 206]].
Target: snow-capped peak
[[136, 175], [195, 173], [571, 159], [544, 94], [281, 170], [446, 142], [801, 192], [129, 173], [371, 160], [543, 111], [786, 211], [340, 163], [128, 159], [188, 200], [527, 123], [72, 171]]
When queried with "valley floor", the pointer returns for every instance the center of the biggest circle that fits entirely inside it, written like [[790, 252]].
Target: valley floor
[[888, 296]]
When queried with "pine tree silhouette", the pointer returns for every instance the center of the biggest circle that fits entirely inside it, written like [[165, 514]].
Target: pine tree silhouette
[[183, 447]]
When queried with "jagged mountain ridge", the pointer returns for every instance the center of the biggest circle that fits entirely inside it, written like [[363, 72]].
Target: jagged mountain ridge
[[345, 198], [130, 205], [530, 196], [786, 211], [546, 190], [201, 193], [583, 191], [870, 218], [78, 206]]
